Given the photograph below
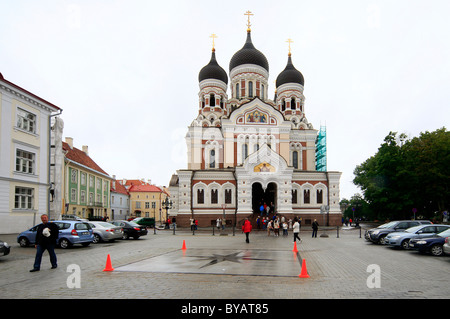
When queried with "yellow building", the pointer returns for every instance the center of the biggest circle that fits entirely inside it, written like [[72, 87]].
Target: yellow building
[[146, 200]]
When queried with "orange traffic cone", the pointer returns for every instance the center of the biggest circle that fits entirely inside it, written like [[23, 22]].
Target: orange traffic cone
[[295, 247], [304, 272], [184, 245], [108, 266]]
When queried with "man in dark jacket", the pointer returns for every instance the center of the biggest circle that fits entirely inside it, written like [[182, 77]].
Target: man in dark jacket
[[46, 237], [315, 227]]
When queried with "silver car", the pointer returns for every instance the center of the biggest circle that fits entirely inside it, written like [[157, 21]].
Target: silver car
[[104, 231], [401, 239], [446, 246]]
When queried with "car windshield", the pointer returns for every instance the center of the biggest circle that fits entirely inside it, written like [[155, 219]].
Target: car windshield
[[413, 229], [387, 225], [105, 224], [445, 233]]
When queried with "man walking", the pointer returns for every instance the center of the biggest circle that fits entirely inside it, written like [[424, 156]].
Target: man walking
[[46, 236], [315, 227]]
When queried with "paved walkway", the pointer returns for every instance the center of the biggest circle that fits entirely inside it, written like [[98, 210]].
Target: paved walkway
[[225, 267]]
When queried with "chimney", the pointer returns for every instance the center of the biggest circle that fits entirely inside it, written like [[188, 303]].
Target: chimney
[[69, 140], [85, 149]]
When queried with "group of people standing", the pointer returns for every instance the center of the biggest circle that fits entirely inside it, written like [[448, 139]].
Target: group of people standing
[[274, 224]]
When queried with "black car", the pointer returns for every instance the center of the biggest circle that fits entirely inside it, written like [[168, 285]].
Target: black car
[[433, 244], [4, 248], [130, 229], [378, 235]]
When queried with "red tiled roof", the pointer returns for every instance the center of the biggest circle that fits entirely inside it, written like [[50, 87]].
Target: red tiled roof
[[80, 157], [119, 188], [145, 188]]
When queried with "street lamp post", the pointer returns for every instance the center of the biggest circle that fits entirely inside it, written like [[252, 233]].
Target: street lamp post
[[167, 204]]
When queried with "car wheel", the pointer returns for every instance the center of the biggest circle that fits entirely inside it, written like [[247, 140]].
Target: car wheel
[[382, 240], [125, 236], [436, 250], [405, 244], [23, 242], [97, 239], [64, 243]]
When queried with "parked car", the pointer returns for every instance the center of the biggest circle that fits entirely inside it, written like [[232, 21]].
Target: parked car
[[446, 245], [146, 221], [130, 229], [72, 217], [401, 239], [104, 231], [4, 248], [378, 235], [433, 244], [71, 232]]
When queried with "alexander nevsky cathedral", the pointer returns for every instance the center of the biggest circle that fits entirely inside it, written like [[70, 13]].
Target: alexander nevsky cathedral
[[247, 152]]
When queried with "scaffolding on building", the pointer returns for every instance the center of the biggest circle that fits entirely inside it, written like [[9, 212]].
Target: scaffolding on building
[[321, 149]]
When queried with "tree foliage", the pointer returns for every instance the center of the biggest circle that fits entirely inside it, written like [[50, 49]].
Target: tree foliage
[[407, 174]]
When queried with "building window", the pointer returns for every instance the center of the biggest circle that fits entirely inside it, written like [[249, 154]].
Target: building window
[[200, 196], [228, 193], [26, 121], [306, 197], [319, 196], [283, 105], [244, 152], [294, 196], [212, 100], [73, 195], [250, 89], [262, 92], [237, 90], [214, 197], [23, 198], [295, 159], [25, 162], [83, 179], [74, 176], [293, 103], [212, 159], [147, 205]]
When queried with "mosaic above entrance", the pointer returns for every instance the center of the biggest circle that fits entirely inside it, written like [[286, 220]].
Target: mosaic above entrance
[[264, 167]]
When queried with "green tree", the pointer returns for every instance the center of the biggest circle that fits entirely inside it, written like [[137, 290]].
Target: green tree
[[406, 174]]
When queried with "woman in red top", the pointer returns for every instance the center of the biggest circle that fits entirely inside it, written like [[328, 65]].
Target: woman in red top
[[247, 228]]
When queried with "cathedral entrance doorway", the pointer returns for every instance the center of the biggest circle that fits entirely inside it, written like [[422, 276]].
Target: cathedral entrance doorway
[[263, 197]]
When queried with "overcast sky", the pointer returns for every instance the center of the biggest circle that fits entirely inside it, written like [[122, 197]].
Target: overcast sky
[[125, 73]]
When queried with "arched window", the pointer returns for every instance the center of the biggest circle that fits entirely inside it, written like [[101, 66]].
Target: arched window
[[319, 196], [306, 197], [244, 152], [212, 100], [294, 196], [262, 92], [237, 90], [228, 193], [295, 159], [221, 102], [214, 196], [212, 159], [250, 89], [200, 196], [293, 103], [283, 105]]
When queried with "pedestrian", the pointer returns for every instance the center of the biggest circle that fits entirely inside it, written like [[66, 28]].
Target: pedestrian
[[315, 227], [192, 223], [46, 237], [296, 230], [247, 228], [269, 227], [218, 223], [276, 227], [285, 229], [196, 224], [258, 222]]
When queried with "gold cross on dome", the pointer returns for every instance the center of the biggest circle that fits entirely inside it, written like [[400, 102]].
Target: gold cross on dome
[[248, 14], [289, 41], [213, 36]]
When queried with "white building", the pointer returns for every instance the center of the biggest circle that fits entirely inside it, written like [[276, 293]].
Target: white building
[[245, 149], [25, 139]]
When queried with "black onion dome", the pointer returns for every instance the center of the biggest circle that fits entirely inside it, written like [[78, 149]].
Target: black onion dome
[[213, 71], [290, 75], [249, 55]]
